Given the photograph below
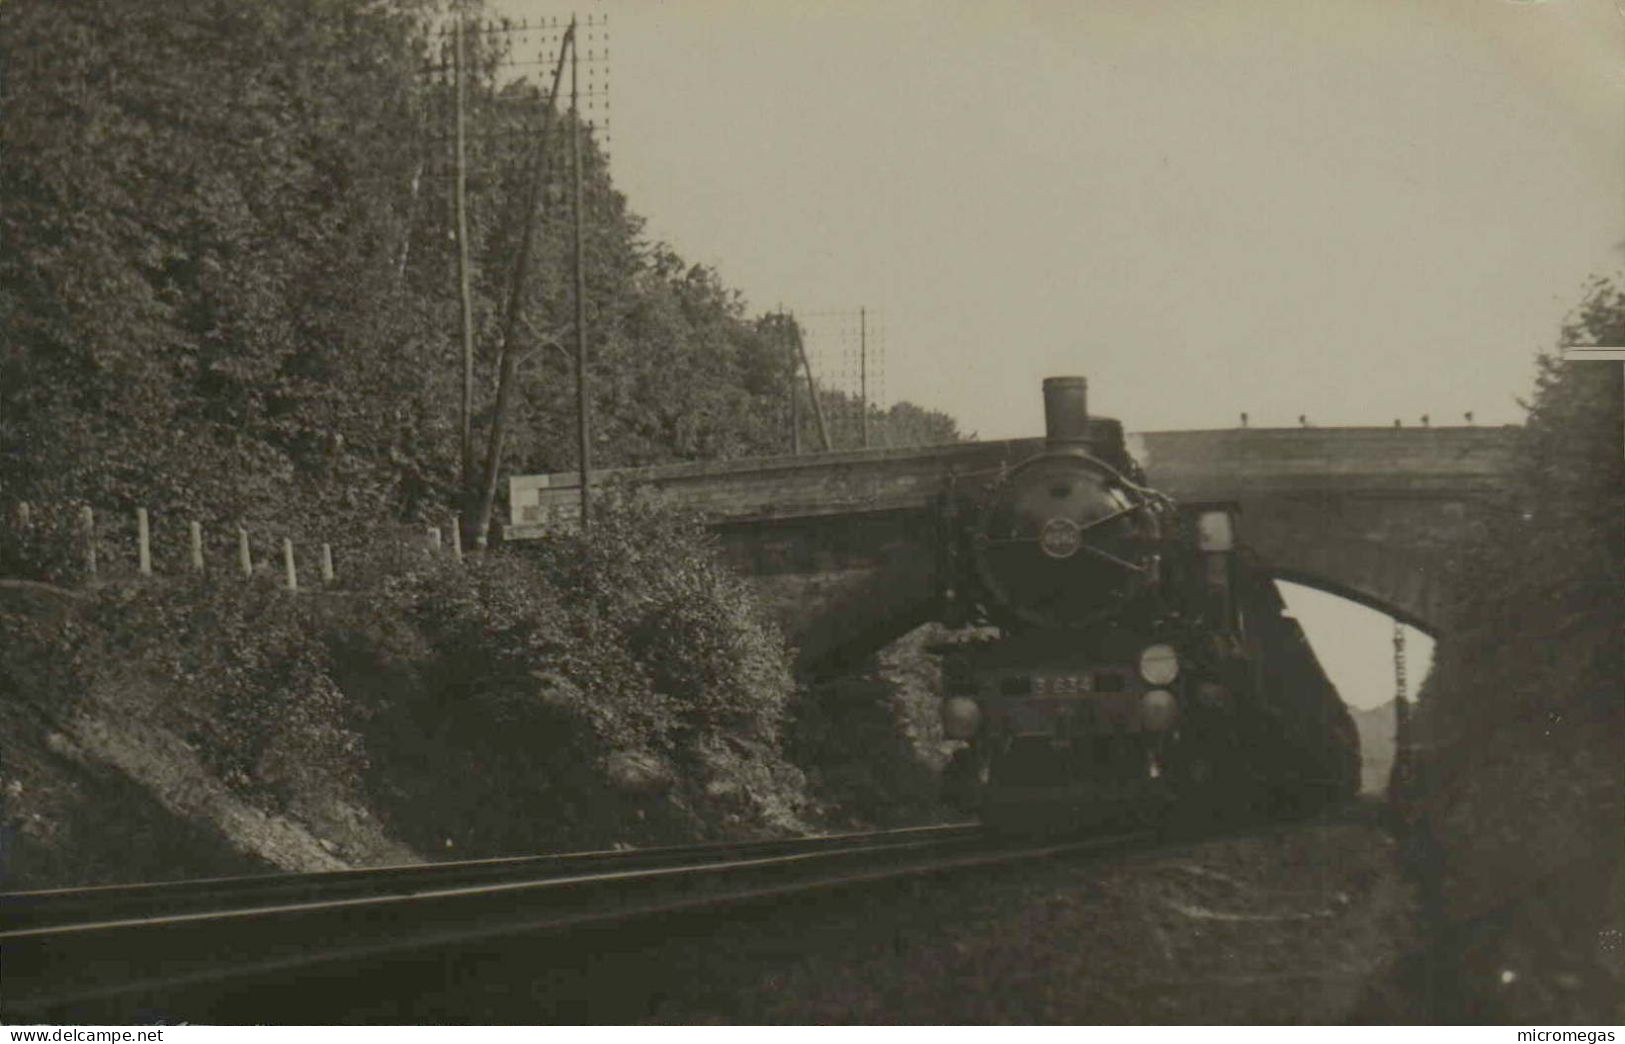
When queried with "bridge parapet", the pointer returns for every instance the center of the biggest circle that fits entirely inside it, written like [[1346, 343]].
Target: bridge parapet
[[776, 488], [1434, 461], [842, 545], [1216, 464]]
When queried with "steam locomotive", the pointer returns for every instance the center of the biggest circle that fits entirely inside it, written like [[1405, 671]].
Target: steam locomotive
[[1133, 658]]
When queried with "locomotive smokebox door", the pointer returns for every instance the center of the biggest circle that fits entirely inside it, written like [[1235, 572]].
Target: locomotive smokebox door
[[1067, 537]]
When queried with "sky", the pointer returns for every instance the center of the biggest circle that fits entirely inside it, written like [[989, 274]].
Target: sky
[[1356, 210]]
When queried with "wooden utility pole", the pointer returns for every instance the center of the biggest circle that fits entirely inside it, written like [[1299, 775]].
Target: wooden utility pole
[[583, 444], [508, 351], [795, 392], [464, 298], [863, 371]]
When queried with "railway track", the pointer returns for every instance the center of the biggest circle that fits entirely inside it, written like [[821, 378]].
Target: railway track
[[72, 953]]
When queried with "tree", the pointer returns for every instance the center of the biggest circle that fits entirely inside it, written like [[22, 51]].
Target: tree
[[1524, 711], [201, 210], [228, 289]]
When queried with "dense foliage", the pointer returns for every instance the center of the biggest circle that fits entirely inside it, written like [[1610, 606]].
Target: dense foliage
[[229, 284], [612, 688], [196, 284], [1524, 714], [229, 295]]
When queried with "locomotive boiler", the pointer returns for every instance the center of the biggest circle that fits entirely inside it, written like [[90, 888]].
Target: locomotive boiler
[[1133, 657]]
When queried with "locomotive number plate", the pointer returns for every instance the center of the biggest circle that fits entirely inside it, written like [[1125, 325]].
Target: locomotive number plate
[[1061, 684]]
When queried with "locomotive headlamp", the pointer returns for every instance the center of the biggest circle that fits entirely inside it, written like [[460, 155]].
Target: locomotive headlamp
[[1159, 664], [1215, 531], [961, 717], [1158, 708]]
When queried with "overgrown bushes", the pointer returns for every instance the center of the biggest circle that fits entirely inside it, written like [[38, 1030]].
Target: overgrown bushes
[[233, 669], [617, 687], [613, 687], [871, 742], [1518, 808]]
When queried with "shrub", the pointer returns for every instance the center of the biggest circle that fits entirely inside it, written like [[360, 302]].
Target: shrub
[[586, 689], [237, 669], [871, 742], [1520, 787], [50, 547], [618, 686]]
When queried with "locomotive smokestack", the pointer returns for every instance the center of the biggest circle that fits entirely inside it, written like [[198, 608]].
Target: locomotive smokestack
[[1066, 411]]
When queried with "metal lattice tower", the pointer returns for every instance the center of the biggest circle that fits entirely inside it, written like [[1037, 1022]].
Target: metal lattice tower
[[847, 351], [593, 43], [530, 49]]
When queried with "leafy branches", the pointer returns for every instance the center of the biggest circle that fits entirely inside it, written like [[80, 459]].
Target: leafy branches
[[228, 289]]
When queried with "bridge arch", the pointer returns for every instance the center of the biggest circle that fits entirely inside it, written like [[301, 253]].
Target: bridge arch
[[1405, 615], [1385, 556], [1368, 514]]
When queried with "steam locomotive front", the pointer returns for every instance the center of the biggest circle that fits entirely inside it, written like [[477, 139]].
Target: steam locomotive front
[[1078, 697], [1065, 541]]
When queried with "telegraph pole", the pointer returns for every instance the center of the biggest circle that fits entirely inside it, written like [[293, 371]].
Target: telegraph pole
[[463, 295], [795, 393], [513, 317], [582, 442], [863, 371]]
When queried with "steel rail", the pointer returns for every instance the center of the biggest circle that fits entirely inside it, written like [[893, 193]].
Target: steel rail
[[50, 968], [440, 892], [41, 907]]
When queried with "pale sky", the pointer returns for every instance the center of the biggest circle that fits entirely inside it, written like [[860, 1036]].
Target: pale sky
[[1352, 209]]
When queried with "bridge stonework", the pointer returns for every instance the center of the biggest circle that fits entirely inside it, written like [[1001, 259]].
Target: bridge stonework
[[1366, 513], [844, 547]]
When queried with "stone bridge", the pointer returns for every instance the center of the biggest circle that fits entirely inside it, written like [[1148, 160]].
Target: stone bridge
[[844, 546]]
